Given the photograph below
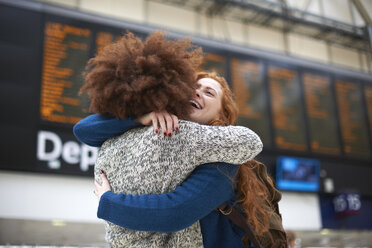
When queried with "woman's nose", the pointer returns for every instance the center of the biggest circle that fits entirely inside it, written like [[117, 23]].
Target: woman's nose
[[197, 93]]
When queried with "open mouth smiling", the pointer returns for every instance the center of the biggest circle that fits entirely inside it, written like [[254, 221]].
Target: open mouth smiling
[[195, 104]]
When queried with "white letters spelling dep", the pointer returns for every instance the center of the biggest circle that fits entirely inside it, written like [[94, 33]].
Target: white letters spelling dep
[[70, 152]]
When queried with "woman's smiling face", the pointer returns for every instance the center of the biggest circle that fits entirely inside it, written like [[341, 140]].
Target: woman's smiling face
[[207, 103]]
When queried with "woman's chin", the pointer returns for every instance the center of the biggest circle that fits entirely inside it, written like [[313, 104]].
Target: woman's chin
[[196, 117]]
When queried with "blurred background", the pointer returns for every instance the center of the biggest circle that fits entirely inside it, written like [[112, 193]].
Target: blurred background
[[300, 71]]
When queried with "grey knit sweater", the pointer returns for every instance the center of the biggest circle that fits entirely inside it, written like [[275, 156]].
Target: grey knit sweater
[[141, 162]]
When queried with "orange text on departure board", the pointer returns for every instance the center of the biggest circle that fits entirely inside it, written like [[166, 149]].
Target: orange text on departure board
[[368, 96], [314, 86], [322, 124], [102, 40], [343, 90], [353, 129], [55, 76], [289, 134], [243, 75]]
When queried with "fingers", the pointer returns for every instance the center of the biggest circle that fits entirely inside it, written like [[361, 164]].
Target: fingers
[[166, 121], [96, 184], [161, 120], [169, 123], [104, 179], [100, 189], [154, 122], [176, 126]]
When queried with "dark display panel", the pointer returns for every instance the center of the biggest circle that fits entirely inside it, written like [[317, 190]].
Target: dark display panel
[[288, 122], [248, 83], [296, 111], [20, 58], [368, 97], [215, 63], [65, 54], [103, 39], [320, 109], [353, 124]]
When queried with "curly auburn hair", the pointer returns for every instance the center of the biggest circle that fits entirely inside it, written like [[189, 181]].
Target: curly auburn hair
[[258, 197], [255, 188], [131, 78]]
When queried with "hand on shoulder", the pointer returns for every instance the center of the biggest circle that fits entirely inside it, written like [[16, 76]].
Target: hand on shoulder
[[167, 122]]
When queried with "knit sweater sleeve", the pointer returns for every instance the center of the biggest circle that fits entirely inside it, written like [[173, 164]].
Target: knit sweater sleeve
[[206, 188], [229, 144], [96, 129]]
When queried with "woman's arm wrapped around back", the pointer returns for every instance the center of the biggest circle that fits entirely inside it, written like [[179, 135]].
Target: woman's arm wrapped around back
[[229, 144]]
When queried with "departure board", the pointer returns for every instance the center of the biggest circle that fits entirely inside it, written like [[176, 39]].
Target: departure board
[[320, 109], [250, 95], [353, 125], [297, 109], [65, 54], [215, 63], [105, 38], [286, 105], [368, 96]]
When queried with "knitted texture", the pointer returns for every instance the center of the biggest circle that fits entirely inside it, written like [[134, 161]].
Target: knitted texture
[[141, 162]]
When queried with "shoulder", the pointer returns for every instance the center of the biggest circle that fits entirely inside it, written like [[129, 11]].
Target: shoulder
[[219, 132], [193, 126], [130, 136], [184, 125]]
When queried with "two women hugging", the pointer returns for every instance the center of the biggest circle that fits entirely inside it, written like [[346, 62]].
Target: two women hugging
[[169, 155]]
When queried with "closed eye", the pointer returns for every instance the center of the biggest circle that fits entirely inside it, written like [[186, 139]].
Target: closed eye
[[210, 93]]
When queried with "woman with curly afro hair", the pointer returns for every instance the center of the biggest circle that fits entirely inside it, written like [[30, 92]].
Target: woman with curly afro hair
[[132, 78], [140, 162]]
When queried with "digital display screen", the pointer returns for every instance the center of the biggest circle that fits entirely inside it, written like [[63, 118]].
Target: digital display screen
[[353, 124], [286, 106], [215, 63], [298, 174], [320, 110], [368, 97], [104, 39], [20, 58], [294, 109], [250, 95], [65, 55]]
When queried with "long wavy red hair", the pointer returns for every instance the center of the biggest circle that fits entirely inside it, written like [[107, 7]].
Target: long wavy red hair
[[255, 188]]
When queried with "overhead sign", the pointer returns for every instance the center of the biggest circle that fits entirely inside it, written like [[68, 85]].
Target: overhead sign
[[347, 204], [297, 111], [53, 152]]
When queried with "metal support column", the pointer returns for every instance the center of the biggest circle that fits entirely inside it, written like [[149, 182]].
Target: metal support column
[[363, 12]]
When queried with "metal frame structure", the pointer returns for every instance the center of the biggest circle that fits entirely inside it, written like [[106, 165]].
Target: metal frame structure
[[280, 16], [237, 48]]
